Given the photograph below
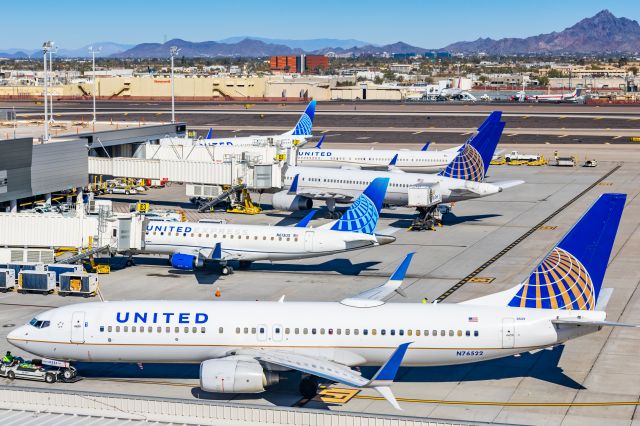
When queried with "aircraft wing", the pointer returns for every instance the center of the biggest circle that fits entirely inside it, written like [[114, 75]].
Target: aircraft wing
[[334, 371], [375, 296]]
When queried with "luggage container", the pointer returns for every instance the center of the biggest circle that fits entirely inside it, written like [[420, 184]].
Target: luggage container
[[7, 280], [37, 281], [61, 268], [22, 266], [78, 283]]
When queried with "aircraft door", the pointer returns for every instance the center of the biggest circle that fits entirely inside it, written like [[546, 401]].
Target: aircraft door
[[308, 241], [277, 332], [508, 333], [77, 327]]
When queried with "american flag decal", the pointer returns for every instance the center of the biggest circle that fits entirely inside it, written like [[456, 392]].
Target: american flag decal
[[473, 319]]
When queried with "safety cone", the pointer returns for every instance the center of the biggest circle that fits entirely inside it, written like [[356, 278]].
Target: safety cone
[[218, 294]]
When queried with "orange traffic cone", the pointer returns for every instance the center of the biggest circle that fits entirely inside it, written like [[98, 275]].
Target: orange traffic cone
[[218, 294]]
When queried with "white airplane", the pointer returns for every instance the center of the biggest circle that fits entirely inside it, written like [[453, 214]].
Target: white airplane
[[243, 347], [383, 159], [191, 244], [463, 179], [295, 137], [572, 97]]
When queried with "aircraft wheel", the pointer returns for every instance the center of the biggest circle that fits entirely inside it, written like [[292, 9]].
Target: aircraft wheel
[[227, 270], [11, 375], [67, 374], [309, 387]]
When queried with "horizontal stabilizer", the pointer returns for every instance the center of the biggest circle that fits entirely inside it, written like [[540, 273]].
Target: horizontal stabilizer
[[508, 183]]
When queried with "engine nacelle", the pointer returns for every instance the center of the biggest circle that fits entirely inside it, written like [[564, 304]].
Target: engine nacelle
[[186, 262], [284, 201], [235, 375]]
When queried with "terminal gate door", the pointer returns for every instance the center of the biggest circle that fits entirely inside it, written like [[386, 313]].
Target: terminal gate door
[[77, 327], [508, 333]]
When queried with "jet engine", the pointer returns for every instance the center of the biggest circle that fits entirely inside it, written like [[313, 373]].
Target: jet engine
[[186, 262], [235, 374], [284, 201]]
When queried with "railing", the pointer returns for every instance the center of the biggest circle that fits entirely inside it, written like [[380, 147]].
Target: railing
[[128, 407]]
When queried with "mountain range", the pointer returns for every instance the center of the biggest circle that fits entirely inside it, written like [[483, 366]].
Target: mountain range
[[601, 33]]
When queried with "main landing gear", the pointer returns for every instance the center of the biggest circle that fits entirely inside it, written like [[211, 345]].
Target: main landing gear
[[331, 206], [309, 386], [226, 269]]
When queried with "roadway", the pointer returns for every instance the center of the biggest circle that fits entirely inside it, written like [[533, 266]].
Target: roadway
[[590, 381]]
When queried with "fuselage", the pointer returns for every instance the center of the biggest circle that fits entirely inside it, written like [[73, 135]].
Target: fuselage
[[409, 161], [350, 183], [284, 140], [251, 242], [194, 331]]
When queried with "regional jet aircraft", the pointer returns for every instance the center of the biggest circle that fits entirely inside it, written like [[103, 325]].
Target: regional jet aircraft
[[245, 346], [191, 244]]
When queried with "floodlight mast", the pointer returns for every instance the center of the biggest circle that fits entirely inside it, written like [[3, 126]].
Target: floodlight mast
[[46, 47], [173, 52], [93, 51]]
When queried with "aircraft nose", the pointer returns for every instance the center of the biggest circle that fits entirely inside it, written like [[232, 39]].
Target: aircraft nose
[[16, 336], [385, 239]]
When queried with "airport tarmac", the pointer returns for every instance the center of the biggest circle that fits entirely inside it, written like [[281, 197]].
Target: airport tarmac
[[589, 381]]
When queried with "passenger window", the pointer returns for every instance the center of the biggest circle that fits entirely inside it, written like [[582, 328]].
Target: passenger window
[[102, 329], [237, 330], [313, 331], [393, 332], [287, 331], [126, 328], [475, 333], [459, 333], [253, 330], [356, 331], [374, 331], [418, 333], [409, 332], [159, 330], [194, 329], [117, 329], [176, 330], [338, 331], [150, 329], [296, 331], [365, 332], [434, 333], [141, 329], [186, 329], [246, 330], [347, 331], [221, 330], [304, 331], [203, 330], [133, 328], [167, 329], [467, 333], [443, 333], [383, 332]]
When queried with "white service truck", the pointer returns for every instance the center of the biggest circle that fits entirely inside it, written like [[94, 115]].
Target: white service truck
[[518, 156]]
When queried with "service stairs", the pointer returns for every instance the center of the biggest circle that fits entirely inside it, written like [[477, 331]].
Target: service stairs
[[83, 255], [226, 194]]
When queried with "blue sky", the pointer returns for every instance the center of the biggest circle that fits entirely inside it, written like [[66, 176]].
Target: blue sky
[[431, 24]]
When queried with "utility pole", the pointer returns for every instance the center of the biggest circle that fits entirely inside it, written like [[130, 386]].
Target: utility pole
[[93, 91], [173, 51], [51, 52], [46, 47]]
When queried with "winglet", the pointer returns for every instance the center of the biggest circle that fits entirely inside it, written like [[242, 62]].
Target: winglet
[[426, 146], [217, 252], [210, 133], [387, 374], [401, 270], [393, 160], [293, 189], [305, 221], [319, 144]]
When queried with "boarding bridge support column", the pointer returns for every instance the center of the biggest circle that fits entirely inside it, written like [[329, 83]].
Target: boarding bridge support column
[[13, 206], [80, 195], [47, 198]]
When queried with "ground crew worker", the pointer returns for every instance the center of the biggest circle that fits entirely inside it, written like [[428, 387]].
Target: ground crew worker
[[424, 300], [8, 358]]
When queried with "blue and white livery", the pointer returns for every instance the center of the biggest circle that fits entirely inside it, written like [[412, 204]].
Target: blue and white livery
[[245, 346]]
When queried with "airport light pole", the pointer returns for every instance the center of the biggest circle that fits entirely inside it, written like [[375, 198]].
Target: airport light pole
[[46, 47], [173, 51], [93, 91], [51, 52]]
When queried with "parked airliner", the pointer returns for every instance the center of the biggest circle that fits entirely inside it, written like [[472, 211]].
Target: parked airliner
[[462, 179], [191, 244], [295, 137], [384, 159], [244, 346]]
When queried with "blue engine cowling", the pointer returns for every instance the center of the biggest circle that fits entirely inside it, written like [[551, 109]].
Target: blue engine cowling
[[183, 261]]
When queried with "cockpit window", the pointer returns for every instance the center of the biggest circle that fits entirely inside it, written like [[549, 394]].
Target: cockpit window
[[39, 324]]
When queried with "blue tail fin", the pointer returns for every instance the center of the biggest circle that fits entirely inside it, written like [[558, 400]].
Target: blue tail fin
[[305, 123], [394, 160], [571, 275], [426, 146], [473, 159], [363, 214], [209, 133]]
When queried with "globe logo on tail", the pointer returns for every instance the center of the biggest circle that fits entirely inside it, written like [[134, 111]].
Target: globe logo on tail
[[304, 126], [559, 282], [467, 165], [361, 217]]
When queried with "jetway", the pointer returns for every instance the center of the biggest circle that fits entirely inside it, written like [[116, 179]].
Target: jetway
[[259, 168]]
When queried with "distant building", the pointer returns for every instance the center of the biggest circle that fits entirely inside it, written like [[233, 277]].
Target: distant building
[[309, 64], [404, 55]]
